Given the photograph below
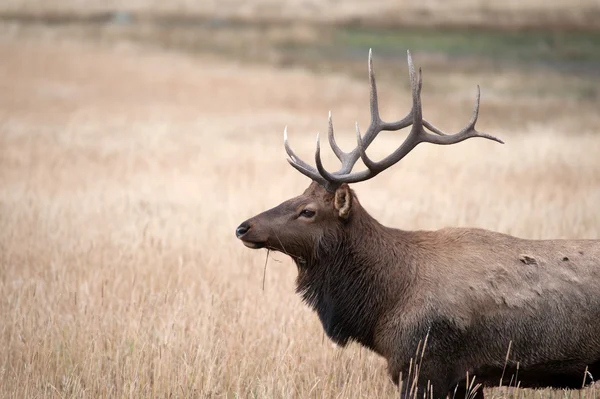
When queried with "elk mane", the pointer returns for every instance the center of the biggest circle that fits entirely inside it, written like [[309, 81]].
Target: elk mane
[[339, 282]]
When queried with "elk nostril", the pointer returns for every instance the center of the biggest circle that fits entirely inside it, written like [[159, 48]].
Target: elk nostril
[[242, 229]]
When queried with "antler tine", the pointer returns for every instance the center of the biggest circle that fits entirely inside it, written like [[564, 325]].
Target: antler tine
[[326, 175], [336, 149], [415, 89], [371, 166], [467, 132], [373, 92], [293, 157], [437, 131], [376, 125], [299, 164]]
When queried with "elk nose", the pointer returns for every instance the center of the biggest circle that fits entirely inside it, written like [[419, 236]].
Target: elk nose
[[242, 229]]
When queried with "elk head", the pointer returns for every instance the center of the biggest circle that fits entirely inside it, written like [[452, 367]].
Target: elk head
[[298, 225]]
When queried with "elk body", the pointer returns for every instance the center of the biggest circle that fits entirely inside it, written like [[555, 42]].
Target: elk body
[[480, 303]]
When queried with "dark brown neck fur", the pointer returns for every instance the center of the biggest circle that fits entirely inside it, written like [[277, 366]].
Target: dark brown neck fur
[[346, 280]]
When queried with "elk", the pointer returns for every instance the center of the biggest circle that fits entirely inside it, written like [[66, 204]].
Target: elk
[[478, 303]]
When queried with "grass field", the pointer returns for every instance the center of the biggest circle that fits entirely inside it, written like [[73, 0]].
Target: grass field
[[124, 171]]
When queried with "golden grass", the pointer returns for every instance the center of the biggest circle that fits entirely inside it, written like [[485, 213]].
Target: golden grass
[[123, 173]]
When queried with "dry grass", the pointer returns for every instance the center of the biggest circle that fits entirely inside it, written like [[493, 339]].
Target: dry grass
[[123, 173]]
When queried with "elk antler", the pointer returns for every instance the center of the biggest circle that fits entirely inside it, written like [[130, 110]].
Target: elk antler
[[418, 134]]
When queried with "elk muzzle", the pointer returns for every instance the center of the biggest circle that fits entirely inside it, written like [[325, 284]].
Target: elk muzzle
[[243, 232]]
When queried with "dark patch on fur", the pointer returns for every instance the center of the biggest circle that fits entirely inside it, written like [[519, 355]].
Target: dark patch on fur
[[527, 260]]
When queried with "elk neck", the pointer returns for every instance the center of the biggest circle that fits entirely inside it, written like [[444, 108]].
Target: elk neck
[[355, 276]]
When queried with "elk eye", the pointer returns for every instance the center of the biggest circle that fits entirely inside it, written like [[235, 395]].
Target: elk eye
[[307, 213]]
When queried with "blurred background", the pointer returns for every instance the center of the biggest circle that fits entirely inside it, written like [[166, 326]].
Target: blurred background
[[136, 135], [554, 35]]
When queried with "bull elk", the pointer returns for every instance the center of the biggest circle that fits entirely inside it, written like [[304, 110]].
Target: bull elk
[[472, 294]]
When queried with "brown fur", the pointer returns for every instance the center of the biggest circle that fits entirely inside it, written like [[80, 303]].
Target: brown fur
[[470, 292]]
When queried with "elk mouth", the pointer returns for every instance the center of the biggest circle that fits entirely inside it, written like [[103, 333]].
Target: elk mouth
[[242, 232], [254, 245]]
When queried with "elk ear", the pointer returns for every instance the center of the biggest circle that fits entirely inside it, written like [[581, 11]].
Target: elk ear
[[343, 201]]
